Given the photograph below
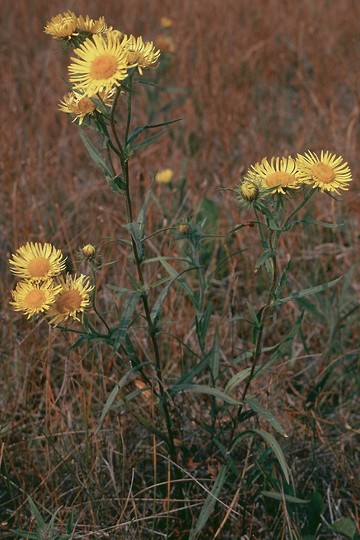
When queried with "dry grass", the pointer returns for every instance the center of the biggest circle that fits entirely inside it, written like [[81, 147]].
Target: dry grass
[[260, 78]]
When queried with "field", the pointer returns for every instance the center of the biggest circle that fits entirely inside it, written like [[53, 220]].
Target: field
[[203, 394]]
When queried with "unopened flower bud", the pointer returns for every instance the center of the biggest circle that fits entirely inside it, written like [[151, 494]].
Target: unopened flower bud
[[249, 191], [183, 228], [88, 252]]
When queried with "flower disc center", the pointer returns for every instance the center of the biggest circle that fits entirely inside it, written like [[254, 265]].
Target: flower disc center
[[86, 106], [280, 178], [35, 298], [68, 301], [103, 67], [323, 172], [39, 267]]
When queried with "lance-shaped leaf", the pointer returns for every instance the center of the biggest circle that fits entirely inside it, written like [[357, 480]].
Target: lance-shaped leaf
[[209, 504], [271, 441], [306, 292], [96, 156], [202, 389], [137, 131], [267, 415], [125, 320]]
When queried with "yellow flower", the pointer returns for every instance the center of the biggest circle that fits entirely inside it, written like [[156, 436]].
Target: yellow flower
[[37, 262], [77, 104], [32, 298], [101, 65], [62, 26], [248, 190], [327, 172], [164, 176], [73, 298], [140, 53], [278, 173], [86, 24], [88, 252], [165, 22]]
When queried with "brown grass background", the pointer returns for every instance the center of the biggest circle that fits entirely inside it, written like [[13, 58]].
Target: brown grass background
[[262, 78]]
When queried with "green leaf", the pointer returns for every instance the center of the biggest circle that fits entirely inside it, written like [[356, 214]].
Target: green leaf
[[117, 183], [24, 534], [254, 317], [265, 256], [314, 511], [221, 263], [209, 504], [283, 278], [237, 379], [345, 526], [314, 222], [285, 347], [136, 230], [275, 447], [283, 496], [188, 376], [95, 155], [202, 389], [271, 441], [173, 273], [125, 320], [267, 415], [155, 312], [114, 392], [147, 142], [137, 131], [306, 292], [35, 512], [215, 357]]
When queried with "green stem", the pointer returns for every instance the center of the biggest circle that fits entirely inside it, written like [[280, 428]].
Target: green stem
[[273, 241], [93, 273], [144, 297], [307, 197]]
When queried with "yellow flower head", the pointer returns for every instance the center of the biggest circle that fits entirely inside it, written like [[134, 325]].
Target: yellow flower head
[[32, 298], [62, 26], [101, 64], [164, 176], [278, 173], [327, 172], [88, 252], [73, 299], [249, 190], [90, 26], [140, 53], [37, 262], [79, 106]]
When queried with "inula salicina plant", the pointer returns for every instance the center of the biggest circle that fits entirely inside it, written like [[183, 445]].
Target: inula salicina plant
[[185, 394]]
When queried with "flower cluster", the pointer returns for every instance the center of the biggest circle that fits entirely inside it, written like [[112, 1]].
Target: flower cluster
[[103, 60], [326, 171], [43, 289]]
